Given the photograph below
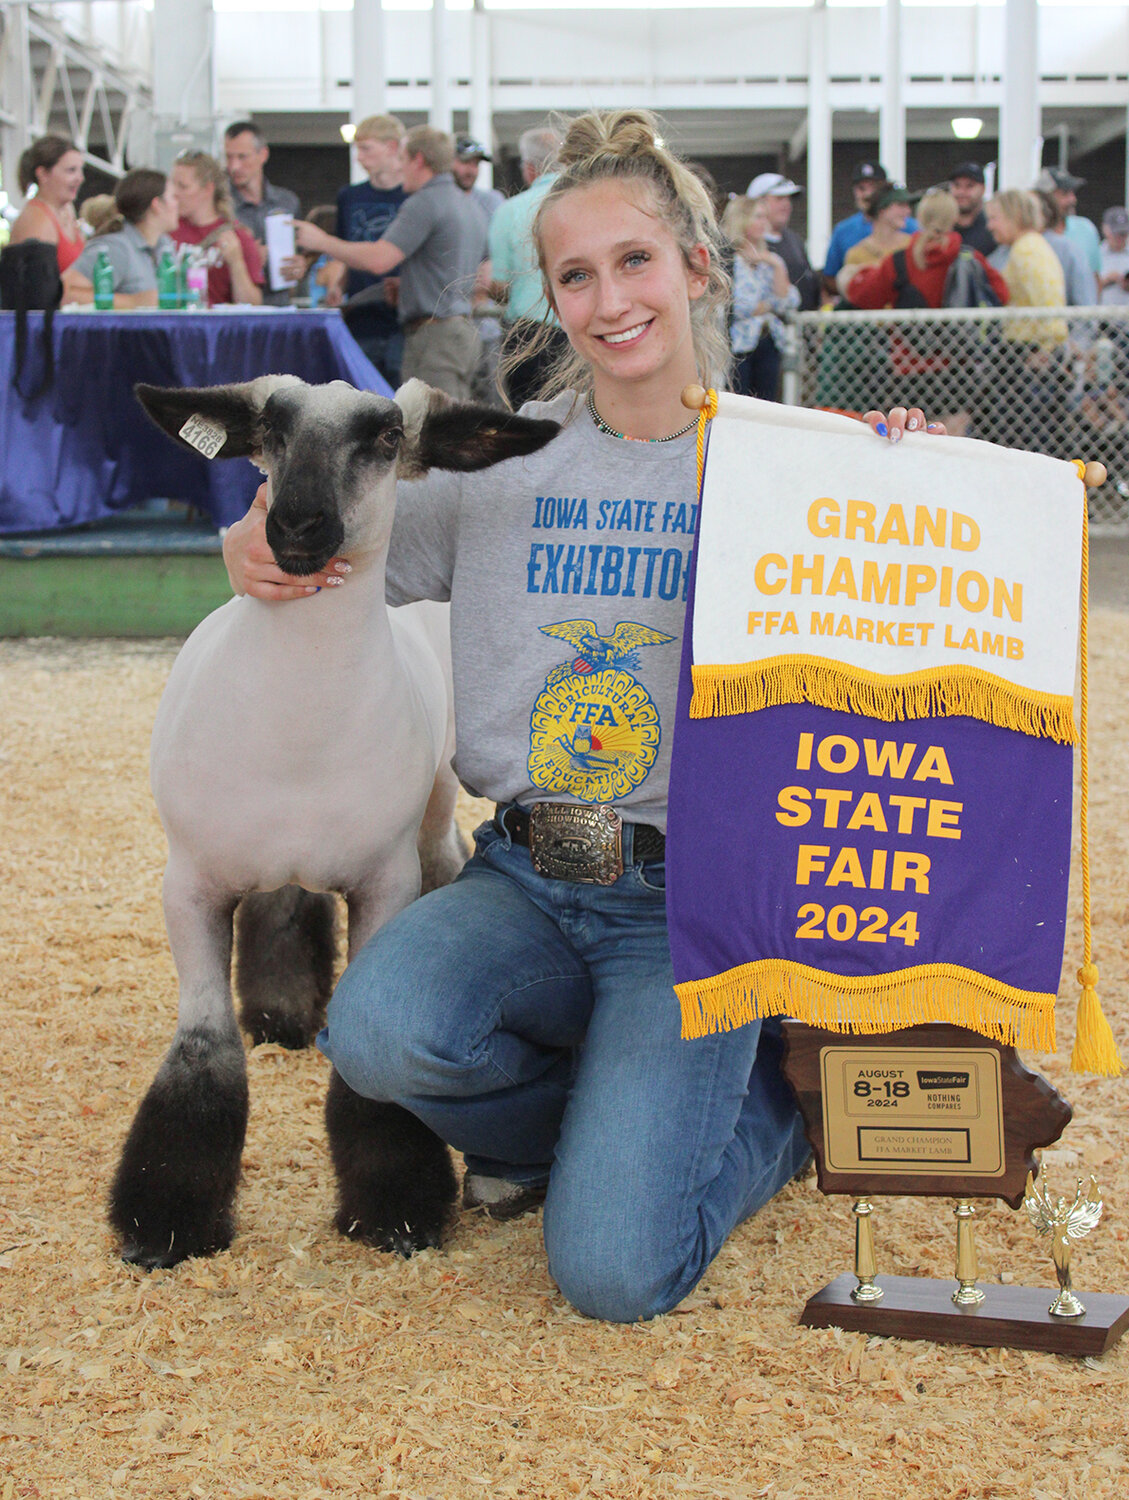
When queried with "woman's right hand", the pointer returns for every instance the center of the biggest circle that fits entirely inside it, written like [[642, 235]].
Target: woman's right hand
[[252, 569]]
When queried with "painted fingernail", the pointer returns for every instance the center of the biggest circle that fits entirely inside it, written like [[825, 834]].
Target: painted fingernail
[[342, 567], [313, 591], [881, 429], [334, 583], [933, 427], [911, 425], [896, 435]]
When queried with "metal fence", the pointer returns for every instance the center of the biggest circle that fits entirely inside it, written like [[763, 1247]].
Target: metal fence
[[1054, 381]]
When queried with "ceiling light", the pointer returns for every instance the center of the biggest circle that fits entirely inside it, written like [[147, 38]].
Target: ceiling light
[[348, 132], [967, 127]]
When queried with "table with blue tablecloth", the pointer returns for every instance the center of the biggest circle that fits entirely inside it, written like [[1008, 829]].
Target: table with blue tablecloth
[[84, 450]]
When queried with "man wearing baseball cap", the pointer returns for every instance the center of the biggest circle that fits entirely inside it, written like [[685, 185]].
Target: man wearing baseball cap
[[1113, 279], [1063, 186], [966, 183], [778, 192], [866, 179], [469, 156]]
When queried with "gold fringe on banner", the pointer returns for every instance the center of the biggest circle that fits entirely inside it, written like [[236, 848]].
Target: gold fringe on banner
[[942, 692], [867, 1003]]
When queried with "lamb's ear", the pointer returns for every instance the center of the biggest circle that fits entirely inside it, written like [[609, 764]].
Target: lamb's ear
[[440, 433], [220, 421]]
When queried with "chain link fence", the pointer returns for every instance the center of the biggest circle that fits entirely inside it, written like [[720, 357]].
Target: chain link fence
[[1054, 381]]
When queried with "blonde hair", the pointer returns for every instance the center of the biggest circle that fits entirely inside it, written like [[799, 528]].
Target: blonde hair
[[208, 170], [435, 146], [626, 146], [379, 128], [937, 212], [1020, 208], [97, 212], [737, 217]]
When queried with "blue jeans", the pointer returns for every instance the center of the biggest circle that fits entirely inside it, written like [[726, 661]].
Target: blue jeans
[[531, 1023]]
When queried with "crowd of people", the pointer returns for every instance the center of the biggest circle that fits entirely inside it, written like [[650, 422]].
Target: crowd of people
[[437, 277]]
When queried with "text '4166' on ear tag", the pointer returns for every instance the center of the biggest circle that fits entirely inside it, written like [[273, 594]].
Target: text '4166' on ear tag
[[206, 437]]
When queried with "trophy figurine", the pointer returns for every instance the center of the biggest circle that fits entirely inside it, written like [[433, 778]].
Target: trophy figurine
[[1064, 1222]]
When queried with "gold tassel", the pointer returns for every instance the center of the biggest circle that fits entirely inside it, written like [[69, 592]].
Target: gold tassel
[[967, 692], [1095, 1050]]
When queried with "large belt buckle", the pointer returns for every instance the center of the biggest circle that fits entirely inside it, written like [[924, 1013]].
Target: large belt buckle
[[584, 844]]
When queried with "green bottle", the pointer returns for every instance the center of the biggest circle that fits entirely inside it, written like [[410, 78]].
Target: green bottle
[[167, 288], [103, 282]]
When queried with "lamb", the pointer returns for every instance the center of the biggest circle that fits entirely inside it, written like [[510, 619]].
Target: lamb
[[299, 745]]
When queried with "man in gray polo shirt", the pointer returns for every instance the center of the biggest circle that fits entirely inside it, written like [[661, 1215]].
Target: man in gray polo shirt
[[437, 241], [255, 197]]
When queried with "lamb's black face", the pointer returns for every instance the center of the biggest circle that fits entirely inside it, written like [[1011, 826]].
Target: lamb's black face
[[327, 449]]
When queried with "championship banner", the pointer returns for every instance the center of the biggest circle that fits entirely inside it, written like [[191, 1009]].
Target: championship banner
[[870, 800], [898, 581]]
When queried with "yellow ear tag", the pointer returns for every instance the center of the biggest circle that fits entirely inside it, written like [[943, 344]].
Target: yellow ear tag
[[205, 436]]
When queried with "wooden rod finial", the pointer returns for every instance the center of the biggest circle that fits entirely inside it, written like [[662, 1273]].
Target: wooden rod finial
[[1093, 477], [694, 397]]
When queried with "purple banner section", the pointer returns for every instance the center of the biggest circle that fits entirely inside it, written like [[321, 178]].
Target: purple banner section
[[863, 847]]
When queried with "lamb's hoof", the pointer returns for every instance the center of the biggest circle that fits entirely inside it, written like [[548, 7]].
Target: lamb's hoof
[[402, 1238], [283, 1030], [149, 1258]]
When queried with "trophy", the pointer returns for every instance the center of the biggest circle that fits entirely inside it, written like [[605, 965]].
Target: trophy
[[940, 1111], [1063, 1222]]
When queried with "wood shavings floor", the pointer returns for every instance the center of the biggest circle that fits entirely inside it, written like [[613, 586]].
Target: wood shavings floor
[[299, 1366]]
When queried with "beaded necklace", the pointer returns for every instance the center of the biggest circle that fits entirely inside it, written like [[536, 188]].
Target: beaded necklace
[[611, 432]]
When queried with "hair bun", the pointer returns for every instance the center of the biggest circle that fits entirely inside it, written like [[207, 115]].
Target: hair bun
[[619, 133]]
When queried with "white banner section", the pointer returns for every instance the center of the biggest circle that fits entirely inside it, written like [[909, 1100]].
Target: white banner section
[[820, 540]]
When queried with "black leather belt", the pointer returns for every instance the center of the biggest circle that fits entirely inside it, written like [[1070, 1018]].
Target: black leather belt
[[647, 843]]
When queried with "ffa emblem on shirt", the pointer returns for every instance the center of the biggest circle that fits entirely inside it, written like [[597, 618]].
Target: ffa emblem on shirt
[[595, 731]]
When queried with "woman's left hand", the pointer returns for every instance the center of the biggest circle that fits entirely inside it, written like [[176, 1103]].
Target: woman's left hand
[[899, 420]]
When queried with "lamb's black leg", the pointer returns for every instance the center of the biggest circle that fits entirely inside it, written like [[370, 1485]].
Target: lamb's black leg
[[285, 943], [175, 1185], [395, 1179]]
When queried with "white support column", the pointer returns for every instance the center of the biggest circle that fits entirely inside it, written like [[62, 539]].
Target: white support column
[[184, 92], [1020, 132], [892, 129], [370, 67], [481, 121], [15, 99], [819, 138], [439, 115]]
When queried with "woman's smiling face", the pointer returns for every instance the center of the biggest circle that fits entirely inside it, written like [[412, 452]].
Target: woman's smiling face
[[620, 283]]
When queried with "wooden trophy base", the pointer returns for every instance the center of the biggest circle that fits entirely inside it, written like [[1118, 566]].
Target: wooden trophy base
[[1016, 1317]]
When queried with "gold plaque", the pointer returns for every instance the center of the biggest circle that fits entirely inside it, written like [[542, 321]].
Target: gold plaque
[[889, 1111]]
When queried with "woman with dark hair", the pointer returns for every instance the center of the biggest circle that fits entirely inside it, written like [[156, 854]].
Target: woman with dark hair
[[207, 219], [53, 166], [133, 239]]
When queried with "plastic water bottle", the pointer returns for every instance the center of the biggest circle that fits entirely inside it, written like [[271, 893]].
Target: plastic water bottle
[[195, 283], [167, 298], [103, 282]]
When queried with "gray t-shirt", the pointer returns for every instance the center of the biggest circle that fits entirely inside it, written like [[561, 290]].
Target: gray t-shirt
[[253, 217], [442, 233], [134, 262], [567, 574]]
